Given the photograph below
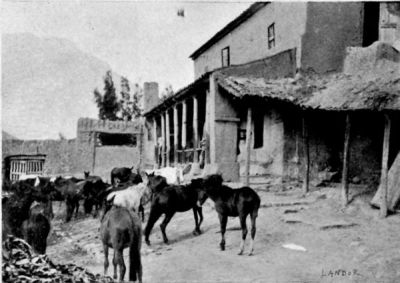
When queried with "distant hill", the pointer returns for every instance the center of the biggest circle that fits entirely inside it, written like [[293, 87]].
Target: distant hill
[[47, 84], [7, 136]]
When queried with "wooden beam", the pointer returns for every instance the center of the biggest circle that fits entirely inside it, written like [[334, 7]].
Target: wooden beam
[[384, 171], [306, 156], [156, 149], [346, 157], [184, 127], [195, 129], [168, 136], [248, 141], [176, 130], [163, 140]]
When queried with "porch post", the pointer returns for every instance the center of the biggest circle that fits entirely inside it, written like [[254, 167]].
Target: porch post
[[195, 130], [156, 149], [163, 140], [176, 129], [306, 148], [184, 122], [168, 137], [248, 141], [346, 156], [384, 171]]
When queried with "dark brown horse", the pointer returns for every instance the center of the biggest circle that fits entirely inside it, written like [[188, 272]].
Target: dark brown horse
[[169, 199], [120, 229], [124, 174], [37, 227], [71, 192], [16, 207], [229, 202]]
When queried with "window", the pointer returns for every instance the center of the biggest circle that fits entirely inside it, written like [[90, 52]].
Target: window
[[271, 36], [258, 128], [225, 56], [106, 139]]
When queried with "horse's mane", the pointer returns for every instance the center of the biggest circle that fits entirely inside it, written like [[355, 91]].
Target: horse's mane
[[213, 181]]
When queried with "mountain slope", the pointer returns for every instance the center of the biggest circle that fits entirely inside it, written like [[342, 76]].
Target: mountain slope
[[47, 84]]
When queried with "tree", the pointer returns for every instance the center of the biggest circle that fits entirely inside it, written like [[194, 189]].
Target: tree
[[167, 92], [107, 103], [130, 108]]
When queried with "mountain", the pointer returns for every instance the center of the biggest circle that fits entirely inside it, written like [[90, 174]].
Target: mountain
[[7, 136], [47, 84]]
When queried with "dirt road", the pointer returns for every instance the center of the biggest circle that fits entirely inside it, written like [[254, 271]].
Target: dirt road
[[351, 245]]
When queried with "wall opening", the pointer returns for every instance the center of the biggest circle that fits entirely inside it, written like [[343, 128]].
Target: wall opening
[[258, 118], [371, 23], [106, 139]]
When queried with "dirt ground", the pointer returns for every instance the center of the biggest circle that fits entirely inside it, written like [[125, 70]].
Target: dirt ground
[[341, 245]]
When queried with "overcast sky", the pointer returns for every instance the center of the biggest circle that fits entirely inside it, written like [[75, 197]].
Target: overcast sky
[[141, 40]]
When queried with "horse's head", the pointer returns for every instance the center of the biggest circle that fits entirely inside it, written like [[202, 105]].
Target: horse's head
[[213, 181], [156, 183], [86, 174]]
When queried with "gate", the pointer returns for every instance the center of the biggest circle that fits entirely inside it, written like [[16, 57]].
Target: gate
[[25, 165]]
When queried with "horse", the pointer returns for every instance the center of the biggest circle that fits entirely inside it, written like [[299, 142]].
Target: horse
[[71, 192], [93, 191], [169, 199], [124, 174], [133, 197], [228, 202], [16, 207], [37, 227], [121, 228]]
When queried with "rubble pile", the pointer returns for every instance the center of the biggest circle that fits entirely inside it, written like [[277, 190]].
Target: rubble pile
[[22, 264]]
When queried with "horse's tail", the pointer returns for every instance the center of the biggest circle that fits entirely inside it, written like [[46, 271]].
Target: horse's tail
[[135, 261], [257, 205]]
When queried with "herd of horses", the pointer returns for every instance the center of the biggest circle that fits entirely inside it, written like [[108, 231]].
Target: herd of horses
[[27, 210]]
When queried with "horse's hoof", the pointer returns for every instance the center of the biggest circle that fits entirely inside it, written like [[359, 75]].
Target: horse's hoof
[[148, 242], [222, 247], [240, 252], [251, 253]]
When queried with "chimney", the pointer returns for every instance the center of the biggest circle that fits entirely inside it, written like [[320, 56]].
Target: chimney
[[150, 93]]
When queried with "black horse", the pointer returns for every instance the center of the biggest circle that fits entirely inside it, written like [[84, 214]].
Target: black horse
[[228, 202], [169, 199], [71, 192], [93, 191], [124, 174]]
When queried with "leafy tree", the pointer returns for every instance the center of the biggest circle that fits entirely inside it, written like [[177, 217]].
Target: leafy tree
[[107, 103], [167, 92], [130, 108]]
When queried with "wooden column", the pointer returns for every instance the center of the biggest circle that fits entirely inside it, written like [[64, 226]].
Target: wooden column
[[248, 141], [384, 172], [195, 129], [176, 129], [346, 156], [306, 156], [184, 124], [163, 140], [168, 137], [156, 149]]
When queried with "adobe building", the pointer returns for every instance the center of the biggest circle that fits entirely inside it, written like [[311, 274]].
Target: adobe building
[[276, 89]]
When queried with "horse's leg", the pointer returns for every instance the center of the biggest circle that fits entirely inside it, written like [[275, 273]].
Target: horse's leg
[[77, 208], [70, 210], [115, 262], [196, 230], [223, 219], [244, 232], [141, 211], [200, 212], [163, 225], [106, 263], [121, 263], [153, 217], [253, 231]]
